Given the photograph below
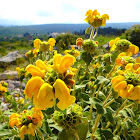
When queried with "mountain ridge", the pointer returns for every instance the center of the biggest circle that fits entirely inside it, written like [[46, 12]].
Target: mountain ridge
[[57, 27]]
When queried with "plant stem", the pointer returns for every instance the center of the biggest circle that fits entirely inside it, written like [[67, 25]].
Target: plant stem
[[96, 123], [110, 92], [95, 33], [99, 89], [91, 34], [111, 71], [76, 136], [110, 102], [105, 106], [76, 75], [122, 106]]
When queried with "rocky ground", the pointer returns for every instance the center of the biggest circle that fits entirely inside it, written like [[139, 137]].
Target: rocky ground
[[11, 77]]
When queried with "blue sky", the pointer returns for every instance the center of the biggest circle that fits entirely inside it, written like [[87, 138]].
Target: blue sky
[[29, 12]]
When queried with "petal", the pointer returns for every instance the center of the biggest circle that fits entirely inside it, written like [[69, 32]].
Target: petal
[[135, 95], [117, 79], [138, 60], [40, 64], [111, 43], [120, 86], [122, 93], [136, 49], [136, 66], [35, 71], [113, 48], [33, 85], [51, 41], [117, 39], [131, 50], [14, 115], [31, 129], [89, 12], [63, 94], [37, 43], [23, 131], [45, 96], [130, 89], [129, 66], [118, 61], [13, 122], [105, 16], [94, 12], [56, 60], [66, 62], [138, 71], [122, 54]]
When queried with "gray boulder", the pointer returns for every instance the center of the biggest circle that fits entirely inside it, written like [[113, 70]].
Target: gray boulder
[[11, 58], [12, 75]]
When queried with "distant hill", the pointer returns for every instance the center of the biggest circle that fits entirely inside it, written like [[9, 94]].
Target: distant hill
[[49, 28]]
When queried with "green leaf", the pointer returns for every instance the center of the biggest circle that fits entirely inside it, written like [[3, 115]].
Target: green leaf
[[82, 129], [128, 137], [109, 115], [101, 96], [115, 105], [5, 132], [100, 109], [87, 31], [86, 57], [48, 130], [107, 133], [48, 111], [56, 127], [116, 137], [101, 79], [80, 86], [65, 135], [84, 96]]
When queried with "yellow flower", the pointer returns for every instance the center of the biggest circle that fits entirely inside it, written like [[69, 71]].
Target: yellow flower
[[95, 19], [45, 93], [123, 45], [123, 59], [62, 63], [39, 70], [3, 89], [51, 42], [112, 44], [32, 53], [79, 42], [72, 52], [133, 67], [138, 60], [27, 122], [37, 43], [127, 85]]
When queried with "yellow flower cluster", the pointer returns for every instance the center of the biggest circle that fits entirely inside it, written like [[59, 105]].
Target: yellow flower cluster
[[73, 52], [70, 119], [3, 88], [44, 46], [89, 45], [127, 83], [95, 19], [32, 53], [122, 59], [22, 73], [49, 82], [123, 45], [27, 122]]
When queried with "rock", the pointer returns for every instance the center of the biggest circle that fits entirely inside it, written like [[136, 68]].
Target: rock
[[12, 75], [11, 58]]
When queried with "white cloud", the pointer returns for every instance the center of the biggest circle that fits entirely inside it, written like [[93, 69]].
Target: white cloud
[[67, 11]]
